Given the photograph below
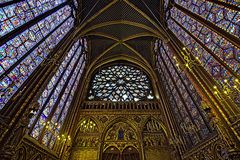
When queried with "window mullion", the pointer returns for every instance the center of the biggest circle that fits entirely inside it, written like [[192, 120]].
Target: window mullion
[[187, 89], [31, 50], [180, 95], [54, 88], [61, 93], [175, 102], [28, 24], [60, 115]]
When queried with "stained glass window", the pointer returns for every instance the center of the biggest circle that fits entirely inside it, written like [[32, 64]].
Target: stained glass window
[[17, 14], [217, 54], [219, 15], [57, 96], [4, 1], [233, 2], [120, 83], [222, 48], [22, 54], [184, 99]]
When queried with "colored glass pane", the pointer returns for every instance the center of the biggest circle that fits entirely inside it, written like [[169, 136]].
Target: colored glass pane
[[16, 48], [195, 36], [219, 15], [189, 103], [233, 2], [13, 80], [17, 14], [75, 3], [222, 48], [4, 1], [63, 83], [55, 94], [63, 106]]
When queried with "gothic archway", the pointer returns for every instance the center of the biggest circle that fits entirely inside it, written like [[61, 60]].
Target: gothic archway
[[111, 153], [86, 140], [155, 141], [130, 153], [121, 143]]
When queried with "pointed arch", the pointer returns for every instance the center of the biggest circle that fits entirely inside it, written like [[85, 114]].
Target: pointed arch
[[119, 120], [160, 123]]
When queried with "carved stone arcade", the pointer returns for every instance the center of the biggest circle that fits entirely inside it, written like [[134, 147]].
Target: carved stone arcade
[[143, 130]]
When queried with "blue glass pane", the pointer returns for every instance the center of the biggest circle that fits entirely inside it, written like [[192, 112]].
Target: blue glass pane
[[17, 14]]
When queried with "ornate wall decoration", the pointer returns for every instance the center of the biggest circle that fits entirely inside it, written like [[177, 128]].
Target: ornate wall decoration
[[121, 135], [28, 150], [153, 134], [88, 126], [87, 134], [87, 142], [213, 149], [121, 131], [129, 153]]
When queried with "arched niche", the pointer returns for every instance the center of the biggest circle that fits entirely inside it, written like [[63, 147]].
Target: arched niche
[[154, 134], [120, 131], [155, 141], [130, 153], [86, 140], [122, 136], [87, 134], [111, 153]]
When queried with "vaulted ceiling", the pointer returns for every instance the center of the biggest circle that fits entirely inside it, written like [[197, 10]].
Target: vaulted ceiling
[[121, 27]]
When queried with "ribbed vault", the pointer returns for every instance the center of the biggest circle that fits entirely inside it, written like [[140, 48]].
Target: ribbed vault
[[117, 27]]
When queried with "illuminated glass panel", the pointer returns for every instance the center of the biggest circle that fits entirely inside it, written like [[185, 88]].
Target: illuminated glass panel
[[57, 96], [15, 15], [59, 84], [120, 83], [166, 3], [59, 118], [189, 106], [179, 110], [233, 2], [209, 63], [225, 50], [12, 81], [4, 1], [16, 48], [57, 75], [222, 17]]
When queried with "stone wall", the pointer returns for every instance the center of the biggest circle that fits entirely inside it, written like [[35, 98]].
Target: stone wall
[[157, 154], [85, 154]]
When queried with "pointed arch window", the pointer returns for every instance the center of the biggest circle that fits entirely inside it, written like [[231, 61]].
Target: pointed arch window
[[55, 100], [120, 83], [29, 31]]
